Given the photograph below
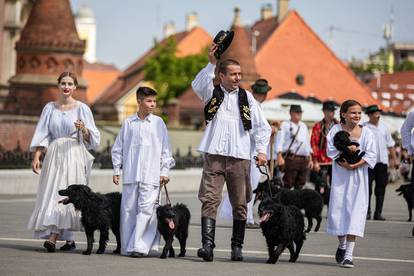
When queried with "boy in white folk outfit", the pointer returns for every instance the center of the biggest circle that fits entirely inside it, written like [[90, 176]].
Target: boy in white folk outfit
[[143, 152]]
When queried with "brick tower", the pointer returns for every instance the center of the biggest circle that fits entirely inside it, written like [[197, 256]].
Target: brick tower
[[49, 45]]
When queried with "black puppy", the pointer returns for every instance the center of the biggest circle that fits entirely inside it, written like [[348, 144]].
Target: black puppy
[[282, 227], [306, 199], [99, 212], [405, 191], [173, 221], [341, 142]]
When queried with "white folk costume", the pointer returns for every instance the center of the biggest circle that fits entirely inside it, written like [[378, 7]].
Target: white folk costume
[[67, 162], [143, 152], [348, 203]]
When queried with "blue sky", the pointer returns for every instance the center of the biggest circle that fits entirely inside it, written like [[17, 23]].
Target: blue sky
[[127, 28]]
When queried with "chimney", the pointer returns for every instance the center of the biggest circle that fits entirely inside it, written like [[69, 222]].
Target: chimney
[[237, 20], [282, 9], [266, 11], [169, 29], [191, 21]]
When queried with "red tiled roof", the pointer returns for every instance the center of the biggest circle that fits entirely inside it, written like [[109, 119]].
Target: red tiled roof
[[190, 101], [294, 49], [188, 43], [98, 76], [395, 90]]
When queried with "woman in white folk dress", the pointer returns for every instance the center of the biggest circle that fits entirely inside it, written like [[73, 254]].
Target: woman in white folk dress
[[349, 192], [65, 128]]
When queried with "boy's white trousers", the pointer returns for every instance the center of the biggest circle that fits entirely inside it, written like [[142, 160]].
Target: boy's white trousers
[[139, 218]]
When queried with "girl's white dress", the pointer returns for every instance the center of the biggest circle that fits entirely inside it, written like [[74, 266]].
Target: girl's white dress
[[348, 202], [67, 162]]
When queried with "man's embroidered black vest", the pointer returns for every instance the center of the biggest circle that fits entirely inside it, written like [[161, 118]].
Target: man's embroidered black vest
[[213, 106]]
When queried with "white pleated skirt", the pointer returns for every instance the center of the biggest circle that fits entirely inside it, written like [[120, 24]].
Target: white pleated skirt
[[66, 162]]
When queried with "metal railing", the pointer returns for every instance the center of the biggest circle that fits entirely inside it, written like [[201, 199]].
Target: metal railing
[[19, 159]]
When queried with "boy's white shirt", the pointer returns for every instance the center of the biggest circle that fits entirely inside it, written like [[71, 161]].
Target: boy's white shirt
[[142, 150]]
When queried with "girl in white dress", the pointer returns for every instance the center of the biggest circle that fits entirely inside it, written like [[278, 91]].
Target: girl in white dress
[[349, 192], [64, 128]]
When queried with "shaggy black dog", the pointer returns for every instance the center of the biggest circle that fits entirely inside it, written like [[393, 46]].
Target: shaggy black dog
[[262, 189], [405, 191], [282, 227], [173, 221], [99, 212], [308, 200], [341, 142]]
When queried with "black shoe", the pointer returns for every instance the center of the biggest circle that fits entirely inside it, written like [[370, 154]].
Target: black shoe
[[368, 216], [50, 246], [347, 263], [137, 255], [236, 254], [340, 255], [378, 217], [379, 200], [68, 246], [237, 239], [208, 229]]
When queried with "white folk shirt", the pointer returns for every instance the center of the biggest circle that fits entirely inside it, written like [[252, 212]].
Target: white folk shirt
[[407, 137], [224, 134], [383, 140], [301, 146], [142, 150]]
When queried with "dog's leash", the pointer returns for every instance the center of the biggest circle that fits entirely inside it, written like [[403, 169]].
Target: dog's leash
[[167, 197], [265, 172]]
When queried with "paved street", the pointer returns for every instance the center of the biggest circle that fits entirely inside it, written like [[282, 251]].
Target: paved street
[[387, 249]]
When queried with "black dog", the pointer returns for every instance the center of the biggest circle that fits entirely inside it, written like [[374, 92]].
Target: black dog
[[173, 221], [405, 191], [341, 142], [99, 212], [282, 227], [306, 199]]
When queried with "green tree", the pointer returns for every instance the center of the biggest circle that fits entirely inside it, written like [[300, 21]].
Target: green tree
[[406, 65], [170, 74]]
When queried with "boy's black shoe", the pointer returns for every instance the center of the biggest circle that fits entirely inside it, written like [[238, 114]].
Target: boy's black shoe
[[340, 255], [347, 263], [68, 246]]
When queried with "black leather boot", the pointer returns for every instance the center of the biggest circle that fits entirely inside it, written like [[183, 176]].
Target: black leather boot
[[378, 208], [237, 240], [208, 229]]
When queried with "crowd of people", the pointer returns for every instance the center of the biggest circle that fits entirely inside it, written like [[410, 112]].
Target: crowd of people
[[237, 140]]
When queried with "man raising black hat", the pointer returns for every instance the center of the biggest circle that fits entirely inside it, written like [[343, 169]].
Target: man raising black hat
[[233, 120]]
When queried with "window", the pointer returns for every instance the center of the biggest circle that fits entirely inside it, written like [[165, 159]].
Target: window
[[386, 103], [394, 86], [399, 96], [386, 95], [374, 94]]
